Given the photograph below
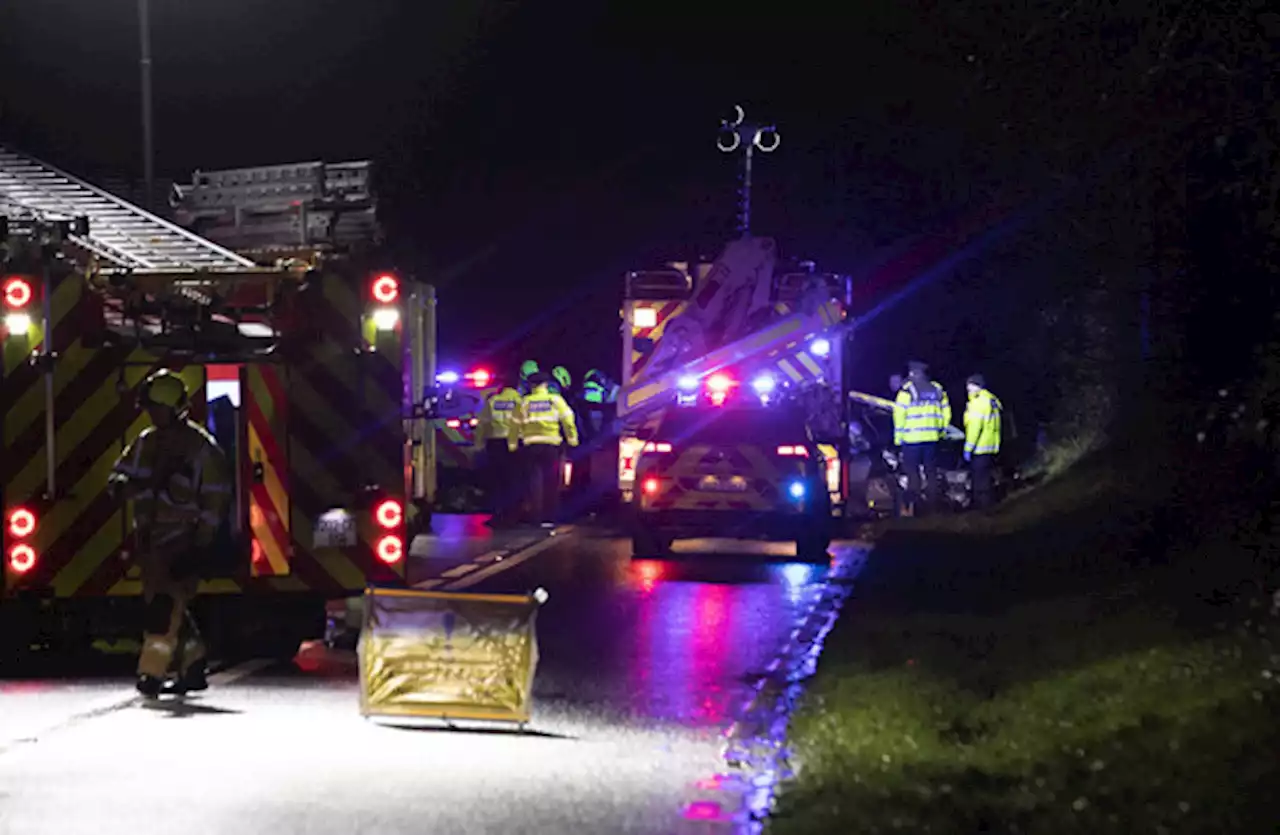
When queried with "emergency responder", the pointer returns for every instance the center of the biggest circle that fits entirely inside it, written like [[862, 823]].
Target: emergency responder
[[527, 369], [921, 414], [895, 384], [546, 422], [598, 391], [498, 424], [179, 485], [981, 437], [562, 382]]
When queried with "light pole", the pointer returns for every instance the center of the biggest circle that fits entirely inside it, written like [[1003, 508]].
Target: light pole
[[148, 162], [736, 133]]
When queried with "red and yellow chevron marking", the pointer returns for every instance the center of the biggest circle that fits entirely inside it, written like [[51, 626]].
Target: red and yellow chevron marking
[[345, 433], [666, 311], [81, 530], [453, 447], [266, 469], [679, 480], [456, 435]]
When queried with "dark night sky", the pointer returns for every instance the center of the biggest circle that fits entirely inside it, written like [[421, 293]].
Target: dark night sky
[[528, 152]]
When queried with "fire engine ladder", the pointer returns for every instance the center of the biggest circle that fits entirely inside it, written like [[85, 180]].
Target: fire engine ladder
[[139, 254], [763, 344]]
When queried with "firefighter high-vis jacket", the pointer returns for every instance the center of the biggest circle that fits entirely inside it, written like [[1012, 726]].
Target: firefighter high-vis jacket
[[982, 423], [498, 419], [542, 415], [921, 413], [180, 486]]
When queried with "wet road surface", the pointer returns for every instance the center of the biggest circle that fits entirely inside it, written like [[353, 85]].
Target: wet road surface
[[643, 664]]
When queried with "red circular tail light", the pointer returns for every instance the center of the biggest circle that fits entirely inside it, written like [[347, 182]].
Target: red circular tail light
[[389, 514], [390, 549]]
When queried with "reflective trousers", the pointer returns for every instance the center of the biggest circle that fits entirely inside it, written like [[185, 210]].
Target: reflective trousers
[[171, 640]]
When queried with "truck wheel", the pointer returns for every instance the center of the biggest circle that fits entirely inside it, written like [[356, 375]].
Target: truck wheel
[[645, 544]]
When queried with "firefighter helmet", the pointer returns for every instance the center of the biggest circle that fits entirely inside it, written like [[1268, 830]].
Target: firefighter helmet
[[164, 388], [561, 375], [528, 368]]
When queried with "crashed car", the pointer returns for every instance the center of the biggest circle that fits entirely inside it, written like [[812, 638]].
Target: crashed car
[[875, 472]]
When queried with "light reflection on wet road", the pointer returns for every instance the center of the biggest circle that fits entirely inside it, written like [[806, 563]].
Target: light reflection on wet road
[[642, 665]]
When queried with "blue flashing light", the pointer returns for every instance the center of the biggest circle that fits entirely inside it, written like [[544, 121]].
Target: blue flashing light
[[447, 377], [820, 347], [796, 490], [688, 382], [764, 384]]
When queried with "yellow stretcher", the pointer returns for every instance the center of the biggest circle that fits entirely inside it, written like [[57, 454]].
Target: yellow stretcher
[[448, 656]]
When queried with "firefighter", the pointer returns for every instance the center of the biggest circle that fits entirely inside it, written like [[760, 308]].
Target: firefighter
[[546, 423], [179, 485], [921, 414], [527, 369], [498, 424], [981, 437]]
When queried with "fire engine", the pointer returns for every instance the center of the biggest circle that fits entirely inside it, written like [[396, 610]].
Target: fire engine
[[694, 333], [304, 354]]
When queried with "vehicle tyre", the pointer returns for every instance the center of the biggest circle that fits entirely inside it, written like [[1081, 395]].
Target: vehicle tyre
[[645, 544], [811, 546]]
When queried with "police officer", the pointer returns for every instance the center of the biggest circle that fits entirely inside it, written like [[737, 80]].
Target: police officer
[[180, 487], [498, 424], [527, 369], [981, 437], [562, 382], [546, 422], [921, 414]]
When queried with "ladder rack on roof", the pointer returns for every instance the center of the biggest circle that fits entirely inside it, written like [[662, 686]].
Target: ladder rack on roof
[[121, 235], [160, 284], [262, 211]]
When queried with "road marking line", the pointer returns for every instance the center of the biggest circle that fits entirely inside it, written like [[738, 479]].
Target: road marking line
[[559, 535], [459, 570], [492, 556], [427, 585], [242, 670]]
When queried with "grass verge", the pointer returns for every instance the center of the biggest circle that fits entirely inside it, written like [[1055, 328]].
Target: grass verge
[[1071, 662]]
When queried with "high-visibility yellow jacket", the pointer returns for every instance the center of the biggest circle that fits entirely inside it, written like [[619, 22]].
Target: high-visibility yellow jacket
[[542, 415], [179, 484], [920, 414], [982, 423], [498, 419]]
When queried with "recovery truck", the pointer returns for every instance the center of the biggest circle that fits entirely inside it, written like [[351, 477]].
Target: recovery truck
[[306, 357], [693, 333]]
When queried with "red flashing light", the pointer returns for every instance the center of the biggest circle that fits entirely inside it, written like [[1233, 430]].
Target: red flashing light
[[389, 514], [390, 549], [719, 383], [799, 450], [650, 486], [17, 292], [479, 378], [386, 289], [22, 558], [22, 523]]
